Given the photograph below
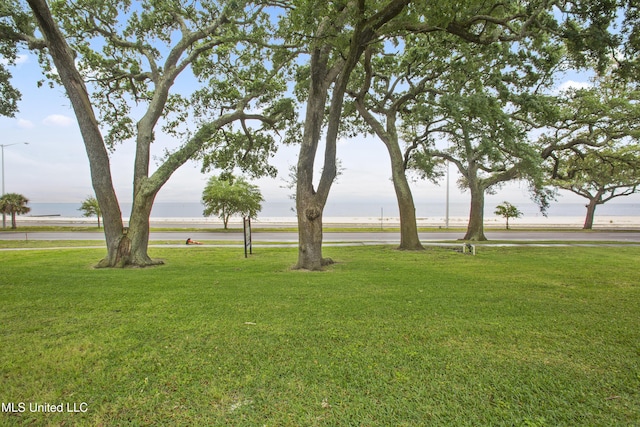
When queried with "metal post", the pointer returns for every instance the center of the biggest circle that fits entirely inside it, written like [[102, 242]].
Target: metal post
[[246, 225], [2, 169], [447, 201], [244, 233], [250, 237], [4, 215]]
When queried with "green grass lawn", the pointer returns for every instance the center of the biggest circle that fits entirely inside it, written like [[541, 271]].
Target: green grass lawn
[[512, 336]]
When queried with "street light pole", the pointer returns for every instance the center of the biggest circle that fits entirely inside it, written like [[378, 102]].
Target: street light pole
[[4, 215], [447, 197]]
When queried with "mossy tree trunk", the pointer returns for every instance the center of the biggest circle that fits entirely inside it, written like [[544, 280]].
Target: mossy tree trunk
[[475, 226], [591, 210], [409, 239]]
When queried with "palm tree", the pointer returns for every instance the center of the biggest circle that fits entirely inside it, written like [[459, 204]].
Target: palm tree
[[14, 204]]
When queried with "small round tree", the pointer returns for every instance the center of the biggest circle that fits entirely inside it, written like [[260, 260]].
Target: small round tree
[[14, 204], [90, 207], [507, 210], [227, 195]]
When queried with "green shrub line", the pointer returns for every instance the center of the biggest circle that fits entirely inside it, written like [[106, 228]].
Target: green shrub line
[[517, 336]]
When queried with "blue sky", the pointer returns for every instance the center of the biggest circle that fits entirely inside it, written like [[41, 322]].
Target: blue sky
[[53, 167]]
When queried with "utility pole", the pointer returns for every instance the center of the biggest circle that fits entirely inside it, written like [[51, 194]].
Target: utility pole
[[446, 220]]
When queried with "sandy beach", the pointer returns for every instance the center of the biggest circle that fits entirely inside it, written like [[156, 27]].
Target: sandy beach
[[602, 222]]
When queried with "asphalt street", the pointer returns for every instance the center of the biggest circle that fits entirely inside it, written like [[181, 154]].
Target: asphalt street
[[351, 237]]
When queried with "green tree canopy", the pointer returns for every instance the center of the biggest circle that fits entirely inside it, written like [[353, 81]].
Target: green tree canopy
[[123, 60], [14, 204], [432, 87], [507, 210], [9, 95], [591, 148], [226, 196], [336, 34], [600, 176], [477, 114]]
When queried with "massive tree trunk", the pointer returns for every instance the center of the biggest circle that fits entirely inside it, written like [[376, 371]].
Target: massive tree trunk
[[475, 227], [139, 232], [310, 238], [591, 212], [128, 246], [99, 164], [134, 242], [409, 239], [125, 246], [134, 249], [310, 203]]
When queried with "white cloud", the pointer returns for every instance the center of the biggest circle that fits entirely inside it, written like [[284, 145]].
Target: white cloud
[[571, 84], [25, 124], [58, 120], [20, 59]]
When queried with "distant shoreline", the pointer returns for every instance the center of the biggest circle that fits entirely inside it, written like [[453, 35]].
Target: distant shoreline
[[606, 222]]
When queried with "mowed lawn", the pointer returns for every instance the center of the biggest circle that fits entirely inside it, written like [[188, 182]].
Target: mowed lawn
[[518, 336]]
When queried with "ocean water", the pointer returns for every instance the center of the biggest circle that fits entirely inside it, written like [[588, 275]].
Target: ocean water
[[334, 209]]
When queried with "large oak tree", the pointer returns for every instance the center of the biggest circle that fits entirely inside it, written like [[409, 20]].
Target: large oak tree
[[600, 176], [337, 35], [123, 59], [388, 83], [592, 146], [479, 119], [334, 36], [431, 87], [478, 87]]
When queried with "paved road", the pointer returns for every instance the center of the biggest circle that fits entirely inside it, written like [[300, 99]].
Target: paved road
[[389, 238]]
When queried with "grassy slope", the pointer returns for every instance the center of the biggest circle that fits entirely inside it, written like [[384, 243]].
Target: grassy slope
[[512, 336]]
